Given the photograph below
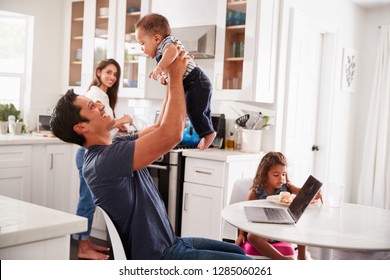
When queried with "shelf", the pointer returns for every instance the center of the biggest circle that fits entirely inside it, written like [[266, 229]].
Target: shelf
[[77, 38], [105, 17], [234, 59], [235, 27], [80, 19], [76, 62], [134, 14]]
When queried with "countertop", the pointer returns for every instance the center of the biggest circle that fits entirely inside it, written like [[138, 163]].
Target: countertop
[[222, 155], [27, 139], [22, 222]]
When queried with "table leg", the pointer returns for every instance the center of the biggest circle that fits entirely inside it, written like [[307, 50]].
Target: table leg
[[325, 253]]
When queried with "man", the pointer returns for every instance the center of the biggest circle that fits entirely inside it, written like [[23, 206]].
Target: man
[[116, 173]]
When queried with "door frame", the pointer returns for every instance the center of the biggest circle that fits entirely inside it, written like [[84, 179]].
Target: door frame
[[327, 83]]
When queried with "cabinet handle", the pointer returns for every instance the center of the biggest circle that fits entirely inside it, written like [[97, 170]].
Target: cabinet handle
[[51, 161], [185, 201], [203, 172], [155, 166]]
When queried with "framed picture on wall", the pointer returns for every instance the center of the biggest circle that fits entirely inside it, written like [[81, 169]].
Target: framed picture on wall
[[348, 74]]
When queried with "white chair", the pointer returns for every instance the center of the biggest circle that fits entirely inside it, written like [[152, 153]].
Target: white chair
[[240, 193], [116, 242]]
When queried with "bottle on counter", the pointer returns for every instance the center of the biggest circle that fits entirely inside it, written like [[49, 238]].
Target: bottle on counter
[[229, 144], [237, 137]]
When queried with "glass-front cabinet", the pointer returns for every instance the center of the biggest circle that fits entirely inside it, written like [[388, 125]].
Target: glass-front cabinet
[[246, 50], [129, 53], [101, 29], [76, 43]]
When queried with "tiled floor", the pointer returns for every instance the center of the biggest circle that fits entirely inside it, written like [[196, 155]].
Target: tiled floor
[[336, 254]]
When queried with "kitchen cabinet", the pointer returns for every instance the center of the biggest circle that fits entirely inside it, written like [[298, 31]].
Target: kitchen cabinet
[[246, 46], [15, 172], [208, 182], [107, 28], [54, 177]]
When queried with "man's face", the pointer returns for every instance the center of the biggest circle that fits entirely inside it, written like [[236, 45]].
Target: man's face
[[99, 120]]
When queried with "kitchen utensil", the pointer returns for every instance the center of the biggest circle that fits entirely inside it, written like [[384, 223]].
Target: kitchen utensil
[[241, 121]]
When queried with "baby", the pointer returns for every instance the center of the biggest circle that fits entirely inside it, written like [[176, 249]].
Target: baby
[[154, 35]]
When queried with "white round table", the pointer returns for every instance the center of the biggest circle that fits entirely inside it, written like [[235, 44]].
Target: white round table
[[351, 227]]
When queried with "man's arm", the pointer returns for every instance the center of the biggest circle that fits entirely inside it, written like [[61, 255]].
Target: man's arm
[[170, 132]]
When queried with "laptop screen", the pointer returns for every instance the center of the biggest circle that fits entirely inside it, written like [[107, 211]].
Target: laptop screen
[[304, 197]]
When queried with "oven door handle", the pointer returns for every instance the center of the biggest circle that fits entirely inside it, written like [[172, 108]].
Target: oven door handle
[[155, 166]]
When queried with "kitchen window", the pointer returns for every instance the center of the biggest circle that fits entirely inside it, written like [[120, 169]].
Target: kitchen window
[[15, 58]]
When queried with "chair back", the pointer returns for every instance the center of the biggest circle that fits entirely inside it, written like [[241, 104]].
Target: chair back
[[240, 190], [116, 242]]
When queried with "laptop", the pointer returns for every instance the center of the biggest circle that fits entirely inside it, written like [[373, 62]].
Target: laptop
[[288, 215]]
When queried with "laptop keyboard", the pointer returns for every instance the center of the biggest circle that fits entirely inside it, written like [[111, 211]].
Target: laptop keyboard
[[274, 214]]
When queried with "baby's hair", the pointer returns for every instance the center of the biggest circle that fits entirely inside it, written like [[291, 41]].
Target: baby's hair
[[266, 163], [154, 24]]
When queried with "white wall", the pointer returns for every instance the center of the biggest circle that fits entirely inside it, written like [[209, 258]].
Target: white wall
[[369, 45], [48, 51]]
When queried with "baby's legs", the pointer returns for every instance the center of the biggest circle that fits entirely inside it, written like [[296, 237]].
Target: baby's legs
[[262, 245]]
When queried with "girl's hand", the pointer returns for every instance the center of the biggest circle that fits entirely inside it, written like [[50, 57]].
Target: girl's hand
[[240, 239], [319, 196]]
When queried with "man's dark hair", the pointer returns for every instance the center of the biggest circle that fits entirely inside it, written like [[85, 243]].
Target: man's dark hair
[[64, 117]]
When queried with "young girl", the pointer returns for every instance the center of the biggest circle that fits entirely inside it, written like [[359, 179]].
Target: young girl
[[271, 179], [103, 89]]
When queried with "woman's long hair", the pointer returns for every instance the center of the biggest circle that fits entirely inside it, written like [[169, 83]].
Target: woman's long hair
[[112, 92]]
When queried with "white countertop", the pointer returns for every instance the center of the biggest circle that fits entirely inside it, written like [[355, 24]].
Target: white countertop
[[27, 139], [222, 155], [22, 222]]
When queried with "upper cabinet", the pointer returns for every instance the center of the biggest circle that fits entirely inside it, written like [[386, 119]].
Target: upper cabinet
[[128, 50], [101, 29], [246, 50]]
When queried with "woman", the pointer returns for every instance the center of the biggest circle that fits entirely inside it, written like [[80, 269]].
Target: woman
[[104, 89]]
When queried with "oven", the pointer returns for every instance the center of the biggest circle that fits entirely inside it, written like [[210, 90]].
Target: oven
[[168, 175]]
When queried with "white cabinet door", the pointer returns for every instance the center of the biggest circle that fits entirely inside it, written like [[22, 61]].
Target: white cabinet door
[[54, 177], [15, 172], [58, 178], [201, 215], [246, 50]]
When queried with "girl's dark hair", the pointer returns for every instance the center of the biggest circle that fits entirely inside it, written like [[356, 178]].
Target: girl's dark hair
[[112, 92], [269, 160], [64, 117], [154, 24]]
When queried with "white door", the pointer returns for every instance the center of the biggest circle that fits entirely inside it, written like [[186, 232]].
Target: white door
[[308, 76]]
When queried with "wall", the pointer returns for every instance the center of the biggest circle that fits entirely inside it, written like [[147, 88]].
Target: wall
[[48, 43], [369, 43]]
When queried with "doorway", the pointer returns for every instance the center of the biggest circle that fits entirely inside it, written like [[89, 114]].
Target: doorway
[[309, 93]]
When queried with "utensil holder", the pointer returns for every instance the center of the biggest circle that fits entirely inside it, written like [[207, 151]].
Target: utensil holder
[[251, 141]]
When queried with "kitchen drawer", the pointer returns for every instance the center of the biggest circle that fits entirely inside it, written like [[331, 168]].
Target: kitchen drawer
[[15, 156], [205, 172]]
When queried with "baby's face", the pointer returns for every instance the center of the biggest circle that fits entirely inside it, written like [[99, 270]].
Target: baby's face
[[148, 42]]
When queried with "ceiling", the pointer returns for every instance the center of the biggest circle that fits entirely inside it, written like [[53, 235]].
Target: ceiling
[[371, 3]]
